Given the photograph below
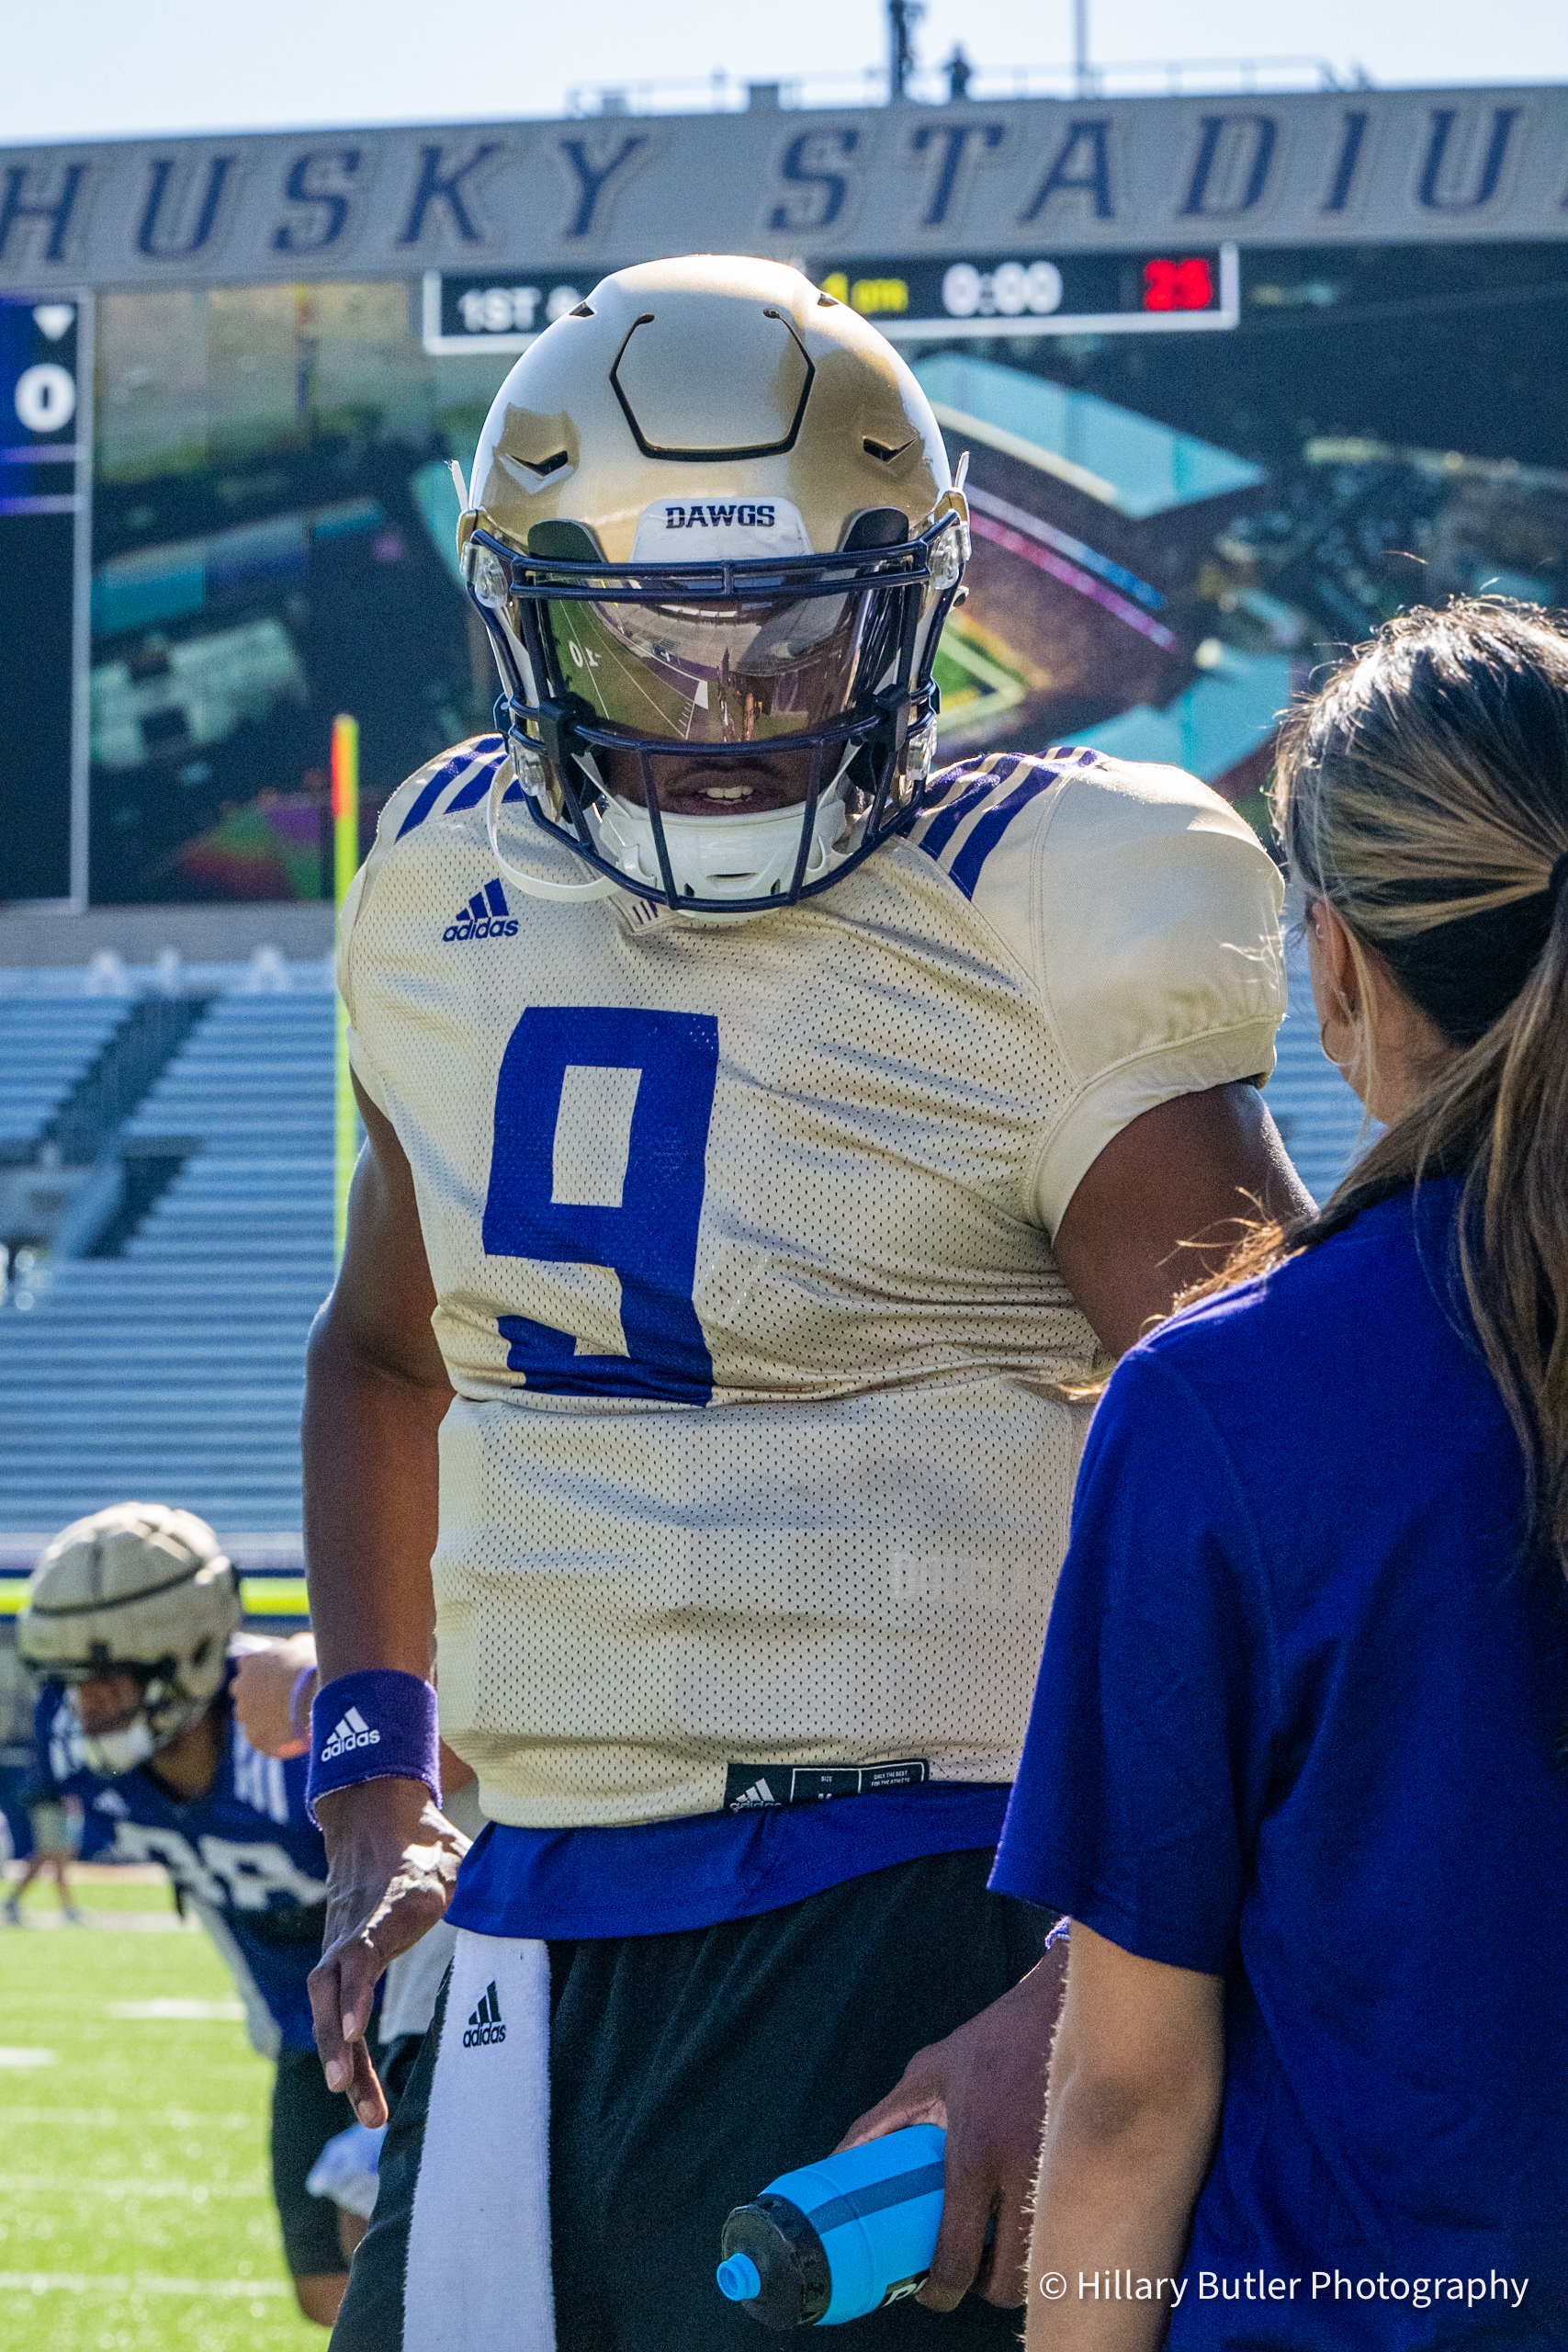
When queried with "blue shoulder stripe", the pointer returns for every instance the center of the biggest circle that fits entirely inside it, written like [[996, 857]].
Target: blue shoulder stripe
[[989, 828], [484, 748], [488, 750], [935, 836]]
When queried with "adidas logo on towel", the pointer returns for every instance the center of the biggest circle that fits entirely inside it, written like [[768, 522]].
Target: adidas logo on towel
[[758, 1793], [352, 1731], [484, 2024], [486, 916]]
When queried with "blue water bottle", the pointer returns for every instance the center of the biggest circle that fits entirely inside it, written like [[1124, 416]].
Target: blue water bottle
[[834, 2240]]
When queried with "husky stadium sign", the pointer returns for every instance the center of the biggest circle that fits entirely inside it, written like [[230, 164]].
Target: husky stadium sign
[[1021, 184]]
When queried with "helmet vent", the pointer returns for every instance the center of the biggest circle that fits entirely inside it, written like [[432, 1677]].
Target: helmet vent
[[584, 311], [884, 451], [548, 465]]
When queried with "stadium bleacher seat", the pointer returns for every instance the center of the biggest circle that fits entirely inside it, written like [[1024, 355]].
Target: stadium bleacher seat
[[172, 1371], [48, 1042]]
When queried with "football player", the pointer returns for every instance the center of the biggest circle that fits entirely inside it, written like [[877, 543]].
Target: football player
[[764, 1136], [131, 1619]]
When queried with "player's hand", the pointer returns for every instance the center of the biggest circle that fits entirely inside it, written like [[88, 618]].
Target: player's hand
[[392, 1864], [985, 2085], [263, 1685]]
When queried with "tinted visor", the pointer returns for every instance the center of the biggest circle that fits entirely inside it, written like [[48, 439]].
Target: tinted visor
[[741, 672]]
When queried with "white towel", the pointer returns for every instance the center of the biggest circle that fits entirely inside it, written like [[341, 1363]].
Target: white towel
[[478, 2260]]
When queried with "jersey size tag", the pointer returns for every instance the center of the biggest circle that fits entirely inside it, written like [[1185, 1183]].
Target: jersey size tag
[[748, 1788]]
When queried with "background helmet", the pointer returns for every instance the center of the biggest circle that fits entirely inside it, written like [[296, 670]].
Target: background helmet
[[711, 518], [136, 1590]]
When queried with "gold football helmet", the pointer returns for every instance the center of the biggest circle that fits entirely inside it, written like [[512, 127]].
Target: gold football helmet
[[138, 1590], [713, 535]]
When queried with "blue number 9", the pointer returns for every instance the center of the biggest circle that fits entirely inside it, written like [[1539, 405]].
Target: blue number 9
[[669, 1065]]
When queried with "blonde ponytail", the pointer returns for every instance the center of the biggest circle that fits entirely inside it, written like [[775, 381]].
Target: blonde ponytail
[[1423, 793]]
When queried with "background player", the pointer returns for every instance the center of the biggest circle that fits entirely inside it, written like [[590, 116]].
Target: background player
[[55, 1840], [735, 1268], [132, 1617]]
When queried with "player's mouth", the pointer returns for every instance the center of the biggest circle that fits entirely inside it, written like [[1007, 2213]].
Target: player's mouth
[[753, 787]]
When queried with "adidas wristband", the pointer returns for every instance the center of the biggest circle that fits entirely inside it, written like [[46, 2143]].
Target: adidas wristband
[[378, 1725]]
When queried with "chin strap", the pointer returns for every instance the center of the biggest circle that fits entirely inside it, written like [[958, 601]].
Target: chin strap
[[534, 886]]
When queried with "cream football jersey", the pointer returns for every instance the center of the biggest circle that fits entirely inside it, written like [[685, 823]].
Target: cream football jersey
[[740, 1238]]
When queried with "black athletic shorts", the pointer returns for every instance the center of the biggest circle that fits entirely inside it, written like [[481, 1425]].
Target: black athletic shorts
[[305, 2116], [685, 2072]]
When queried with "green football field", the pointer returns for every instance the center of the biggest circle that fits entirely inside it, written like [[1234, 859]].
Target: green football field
[[135, 2202]]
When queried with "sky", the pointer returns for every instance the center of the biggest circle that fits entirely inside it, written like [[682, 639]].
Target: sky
[[92, 69]]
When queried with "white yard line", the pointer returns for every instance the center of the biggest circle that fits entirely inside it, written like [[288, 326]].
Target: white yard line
[[77, 2282], [172, 2118], [52, 2183], [184, 2011]]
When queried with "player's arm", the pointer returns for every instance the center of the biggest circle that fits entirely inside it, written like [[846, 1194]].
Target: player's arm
[[376, 1393], [1164, 1202], [1137, 2078]]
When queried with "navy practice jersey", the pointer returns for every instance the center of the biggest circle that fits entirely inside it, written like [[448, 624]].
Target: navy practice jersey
[[245, 1855]]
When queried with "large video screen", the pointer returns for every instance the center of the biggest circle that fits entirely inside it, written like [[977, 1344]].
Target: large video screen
[[1171, 527]]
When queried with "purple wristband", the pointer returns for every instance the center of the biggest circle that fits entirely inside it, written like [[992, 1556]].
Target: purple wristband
[[306, 1674], [378, 1725]]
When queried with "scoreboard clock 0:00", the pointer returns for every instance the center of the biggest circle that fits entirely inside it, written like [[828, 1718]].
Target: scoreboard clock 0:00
[[919, 296]]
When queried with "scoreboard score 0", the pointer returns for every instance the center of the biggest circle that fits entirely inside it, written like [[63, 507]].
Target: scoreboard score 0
[[1021, 294]]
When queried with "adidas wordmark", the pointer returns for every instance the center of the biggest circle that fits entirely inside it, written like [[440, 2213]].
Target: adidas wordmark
[[352, 1732], [484, 2023]]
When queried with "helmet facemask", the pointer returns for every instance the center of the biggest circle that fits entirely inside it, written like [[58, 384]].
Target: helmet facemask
[[162, 1710], [804, 684]]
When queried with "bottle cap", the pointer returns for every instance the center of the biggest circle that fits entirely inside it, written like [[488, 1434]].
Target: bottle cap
[[739, 2279]]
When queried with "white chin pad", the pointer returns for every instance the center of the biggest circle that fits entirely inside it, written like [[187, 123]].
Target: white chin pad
[[724, 856], [110, 1753]]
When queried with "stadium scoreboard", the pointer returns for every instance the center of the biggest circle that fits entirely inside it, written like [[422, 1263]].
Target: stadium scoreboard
[[45, 487], [913, 298]]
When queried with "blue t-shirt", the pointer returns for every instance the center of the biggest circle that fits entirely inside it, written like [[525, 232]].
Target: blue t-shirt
[[657, 1878], [246, 1853], [1297, 1726]]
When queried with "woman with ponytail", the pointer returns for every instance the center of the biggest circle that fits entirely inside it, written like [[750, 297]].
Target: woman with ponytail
[[1296, 1765]]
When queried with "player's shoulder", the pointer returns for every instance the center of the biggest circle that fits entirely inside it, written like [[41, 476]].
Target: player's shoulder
[[1006, 805], [444, 788]]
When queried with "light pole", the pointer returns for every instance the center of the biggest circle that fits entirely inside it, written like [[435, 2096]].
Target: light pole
[[903, 16], [1082, 70]]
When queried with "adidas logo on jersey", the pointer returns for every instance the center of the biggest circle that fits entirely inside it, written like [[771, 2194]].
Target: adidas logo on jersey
[[758, 1793], [352, 1732], [486, 916], [484, 2023]]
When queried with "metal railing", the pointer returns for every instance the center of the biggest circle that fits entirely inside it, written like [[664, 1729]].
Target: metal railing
[[721, 93]]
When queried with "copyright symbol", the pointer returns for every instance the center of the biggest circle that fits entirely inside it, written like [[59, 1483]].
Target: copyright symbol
[[1053, 2285]]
